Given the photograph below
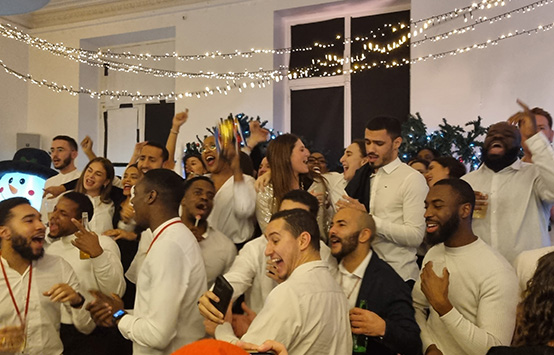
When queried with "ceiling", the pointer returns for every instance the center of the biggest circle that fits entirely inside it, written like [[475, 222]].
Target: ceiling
[[63, 12]]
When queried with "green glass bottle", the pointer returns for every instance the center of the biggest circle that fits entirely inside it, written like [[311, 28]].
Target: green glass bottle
[[359, 341]]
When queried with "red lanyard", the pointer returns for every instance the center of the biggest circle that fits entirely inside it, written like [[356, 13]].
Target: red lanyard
[[22, 320], [157, 235]]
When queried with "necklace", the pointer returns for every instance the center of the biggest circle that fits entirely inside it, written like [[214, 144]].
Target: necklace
[[353, 288]]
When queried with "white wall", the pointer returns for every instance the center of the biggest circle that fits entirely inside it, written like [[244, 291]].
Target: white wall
[[483, 82], [224, 25], [13, 97]]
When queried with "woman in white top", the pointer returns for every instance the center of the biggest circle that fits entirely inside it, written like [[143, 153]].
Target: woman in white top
[[96, 182]]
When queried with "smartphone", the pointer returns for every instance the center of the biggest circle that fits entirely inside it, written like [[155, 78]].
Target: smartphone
[[84, 222], [223, 290]]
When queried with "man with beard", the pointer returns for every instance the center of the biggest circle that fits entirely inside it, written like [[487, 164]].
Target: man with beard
[[465, 299], [307, 312], [396, 195], [519, 194], [171, 278], [102, 271], [33, 287], [385, 325], [218, 251], [63, 152]]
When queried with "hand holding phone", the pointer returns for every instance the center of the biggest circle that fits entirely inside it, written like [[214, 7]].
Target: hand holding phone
[[224, 291]]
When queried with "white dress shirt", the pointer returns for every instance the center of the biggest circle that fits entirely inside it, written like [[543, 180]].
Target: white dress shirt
[[308, 313], [352, 281], [172, 278], [234, 209], [483, 291], [218, 253], [55, 180], [104, 273], [44, 316], [397, 204], [102, 218], [337, 184], [145, 239], [520, 197], [248, 273]]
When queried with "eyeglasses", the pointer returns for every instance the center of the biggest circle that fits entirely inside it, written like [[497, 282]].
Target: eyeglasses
[[208, 148]]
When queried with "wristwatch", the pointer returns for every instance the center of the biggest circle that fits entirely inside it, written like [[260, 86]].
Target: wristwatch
[[118, 315]]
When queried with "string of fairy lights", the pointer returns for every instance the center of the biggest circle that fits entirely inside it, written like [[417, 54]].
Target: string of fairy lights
[[331, 65], [482, 20]]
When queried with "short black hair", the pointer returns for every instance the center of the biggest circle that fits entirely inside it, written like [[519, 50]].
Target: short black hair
[[455, 167], [165, 153], [391, 124], [167, 184], [305, 198], [298, 221], [68, 139], [418, 160], [462, 188], [6, 207], [83, 203], [188, 183]]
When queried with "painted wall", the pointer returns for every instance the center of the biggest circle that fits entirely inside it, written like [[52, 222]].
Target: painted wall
[[13, 97], [483, 82], [224, 25]]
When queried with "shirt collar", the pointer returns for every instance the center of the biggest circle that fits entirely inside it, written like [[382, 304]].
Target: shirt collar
[[207, 232], [390, 167], [161, 226], [516, 165], [360, 270]]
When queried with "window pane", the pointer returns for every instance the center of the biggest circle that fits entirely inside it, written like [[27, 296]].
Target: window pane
[[380, 90], [329, 32], [317, 117]]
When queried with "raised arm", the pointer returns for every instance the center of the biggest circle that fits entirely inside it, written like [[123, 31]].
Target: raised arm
[[178, 120]]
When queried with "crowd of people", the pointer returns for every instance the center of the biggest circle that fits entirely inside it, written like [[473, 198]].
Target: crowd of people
[[384, 257]]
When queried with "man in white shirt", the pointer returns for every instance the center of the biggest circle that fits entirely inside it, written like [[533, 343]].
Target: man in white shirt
[[250, 270], [218, 251], [171, 278], [63, 151], [47, 282], [308, 312], [466, 297], [396, 198], [380, 302], [519, 194], [101, 270]]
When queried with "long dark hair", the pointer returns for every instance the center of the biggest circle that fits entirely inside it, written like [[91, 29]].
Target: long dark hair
[[279, 151], [536, 322]]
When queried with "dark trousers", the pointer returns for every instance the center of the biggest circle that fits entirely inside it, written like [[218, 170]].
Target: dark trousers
[[101, 341]]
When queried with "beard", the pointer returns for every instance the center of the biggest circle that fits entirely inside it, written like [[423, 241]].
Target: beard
[[349, 244], [22, 246], [444, 232], [497, 163], [64, 164]]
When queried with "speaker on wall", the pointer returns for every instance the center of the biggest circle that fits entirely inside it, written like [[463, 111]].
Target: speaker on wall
[[28, 140]]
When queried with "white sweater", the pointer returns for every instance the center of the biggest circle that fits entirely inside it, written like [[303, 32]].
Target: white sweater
[[484, 292]]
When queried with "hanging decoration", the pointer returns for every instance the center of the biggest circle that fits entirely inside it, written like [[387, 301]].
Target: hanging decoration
[[448, 140], [330, 65], [482, 20]]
